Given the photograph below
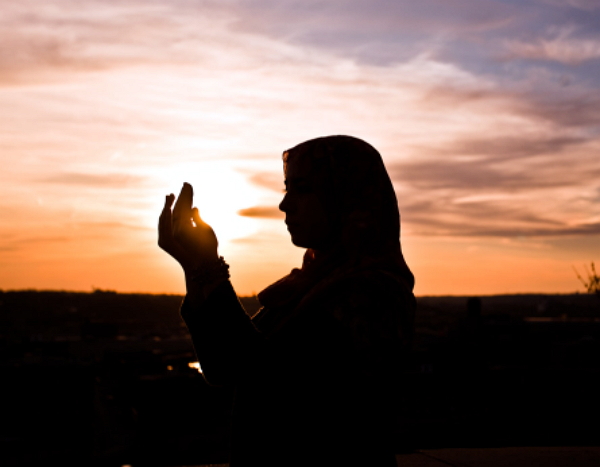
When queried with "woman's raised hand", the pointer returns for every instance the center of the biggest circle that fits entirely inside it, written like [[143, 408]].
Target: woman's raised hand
[[184, 235]]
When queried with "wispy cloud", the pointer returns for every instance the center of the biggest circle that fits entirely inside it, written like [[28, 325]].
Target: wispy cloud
[[270, 180], [265, 212], [43, 41], [561, 48], [379, 32], [585, 5], [96, 180]]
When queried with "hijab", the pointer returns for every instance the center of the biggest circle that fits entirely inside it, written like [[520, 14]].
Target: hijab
[[352, 183]]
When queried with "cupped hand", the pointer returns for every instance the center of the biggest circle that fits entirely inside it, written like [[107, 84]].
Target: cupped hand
[[184, 235]]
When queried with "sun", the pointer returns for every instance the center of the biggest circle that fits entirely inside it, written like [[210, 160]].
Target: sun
[[220, 191]]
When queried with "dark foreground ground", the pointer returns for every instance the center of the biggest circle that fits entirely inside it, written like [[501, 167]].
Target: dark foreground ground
[[503, 457], [498, 457], [104, 379]]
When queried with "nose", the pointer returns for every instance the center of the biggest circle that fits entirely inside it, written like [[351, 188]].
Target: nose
[[283, 206]]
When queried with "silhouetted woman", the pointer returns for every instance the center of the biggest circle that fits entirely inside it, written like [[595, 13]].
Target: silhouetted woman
[[315, 371]]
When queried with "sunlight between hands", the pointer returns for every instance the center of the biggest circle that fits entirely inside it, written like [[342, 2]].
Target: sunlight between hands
[[184, 235]]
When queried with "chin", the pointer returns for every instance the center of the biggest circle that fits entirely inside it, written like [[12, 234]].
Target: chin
[[299, 243], [309, 243]]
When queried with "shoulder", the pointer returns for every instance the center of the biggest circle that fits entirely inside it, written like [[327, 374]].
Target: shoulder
[[371, 305], [369, 288]]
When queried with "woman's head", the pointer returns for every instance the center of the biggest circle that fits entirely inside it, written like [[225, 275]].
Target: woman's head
[[308, 220], [339, 194]]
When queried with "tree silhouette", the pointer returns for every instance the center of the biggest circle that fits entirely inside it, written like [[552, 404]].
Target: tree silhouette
[[592, 284]]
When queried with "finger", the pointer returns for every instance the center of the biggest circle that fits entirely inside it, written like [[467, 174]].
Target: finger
[[183, 205], [166, 211], [165, 232], [165, 215]]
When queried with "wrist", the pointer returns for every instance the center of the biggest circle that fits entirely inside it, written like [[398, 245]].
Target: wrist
[[195, 264], [201, 281]]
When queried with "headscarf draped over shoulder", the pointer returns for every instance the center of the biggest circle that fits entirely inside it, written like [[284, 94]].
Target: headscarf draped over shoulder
[[352, 182]]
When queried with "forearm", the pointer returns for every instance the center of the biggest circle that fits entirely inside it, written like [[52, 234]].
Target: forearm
[[222, 333]]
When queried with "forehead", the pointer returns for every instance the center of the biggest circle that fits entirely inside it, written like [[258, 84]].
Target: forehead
[[297, 165]]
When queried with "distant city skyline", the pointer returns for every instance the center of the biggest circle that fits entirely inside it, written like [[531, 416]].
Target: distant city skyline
[[487, 117]]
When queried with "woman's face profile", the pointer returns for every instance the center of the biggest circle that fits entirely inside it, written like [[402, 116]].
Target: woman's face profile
[[305, 215]]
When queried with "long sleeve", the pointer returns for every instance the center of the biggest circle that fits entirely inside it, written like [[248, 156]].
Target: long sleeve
[[334, 365], [222, 333]]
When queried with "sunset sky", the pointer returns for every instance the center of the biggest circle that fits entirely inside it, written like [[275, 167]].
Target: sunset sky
[[487, 115]]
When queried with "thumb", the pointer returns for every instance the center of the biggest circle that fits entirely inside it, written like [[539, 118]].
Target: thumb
[[207, 234], [196, 217]]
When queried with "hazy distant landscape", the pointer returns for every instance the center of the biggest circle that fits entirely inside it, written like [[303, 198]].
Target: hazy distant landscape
[[105, 378]]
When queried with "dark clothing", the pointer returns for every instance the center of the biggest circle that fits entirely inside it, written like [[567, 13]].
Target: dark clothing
[[316, 371], [318, 386]]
